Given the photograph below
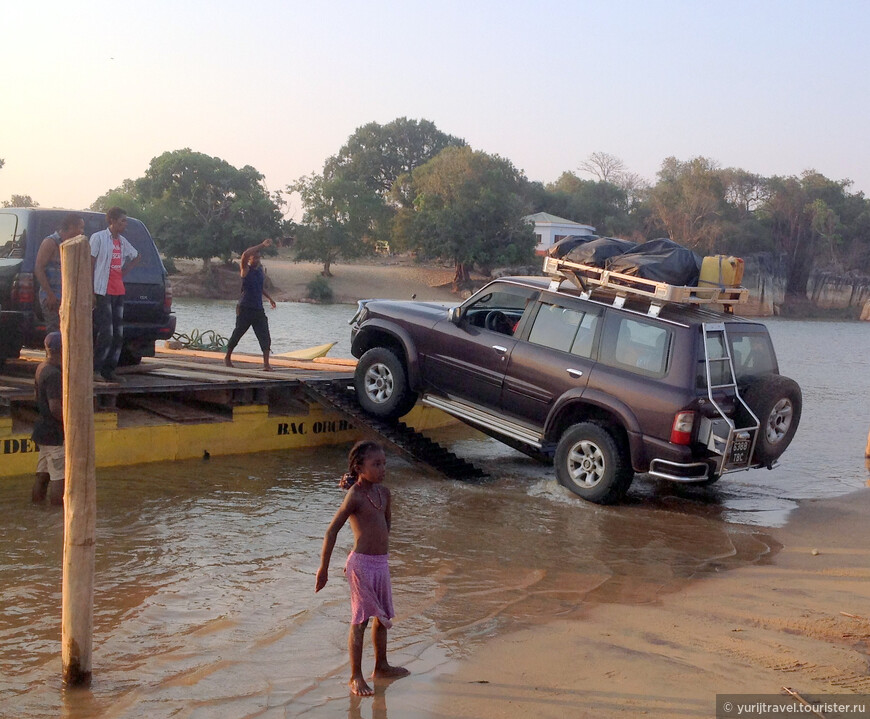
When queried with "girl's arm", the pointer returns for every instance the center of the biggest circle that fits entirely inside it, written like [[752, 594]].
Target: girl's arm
[[341, 516], [271, 301], [388, 512]]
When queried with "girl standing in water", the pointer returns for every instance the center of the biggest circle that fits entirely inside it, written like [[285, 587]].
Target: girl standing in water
[[367, 505]]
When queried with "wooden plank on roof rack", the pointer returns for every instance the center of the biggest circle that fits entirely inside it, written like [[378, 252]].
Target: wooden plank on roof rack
[[583, 275]]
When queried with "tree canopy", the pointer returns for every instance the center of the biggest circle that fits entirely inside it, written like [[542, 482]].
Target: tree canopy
[[20, 201], [469, 209], [377, 155], [338, 215], [200, 206]]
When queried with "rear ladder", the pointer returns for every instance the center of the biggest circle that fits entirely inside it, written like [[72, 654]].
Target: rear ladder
[[735, 445]]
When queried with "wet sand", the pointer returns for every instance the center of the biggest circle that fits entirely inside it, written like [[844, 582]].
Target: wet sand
[[799, 618]]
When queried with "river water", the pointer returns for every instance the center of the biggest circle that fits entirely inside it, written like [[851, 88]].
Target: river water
[[204, 602]]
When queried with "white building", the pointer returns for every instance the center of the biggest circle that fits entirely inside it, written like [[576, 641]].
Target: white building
[[549, 229]]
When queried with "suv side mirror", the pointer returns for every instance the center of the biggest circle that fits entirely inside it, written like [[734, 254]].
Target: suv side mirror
[[454, 314]]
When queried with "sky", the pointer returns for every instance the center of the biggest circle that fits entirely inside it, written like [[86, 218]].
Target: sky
[[95, 89]]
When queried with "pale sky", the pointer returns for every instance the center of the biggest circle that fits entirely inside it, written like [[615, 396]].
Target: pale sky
[[95, 89]]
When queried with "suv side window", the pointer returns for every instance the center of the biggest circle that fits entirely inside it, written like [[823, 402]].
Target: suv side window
[[564, 328], [636, 345], [506, 300]]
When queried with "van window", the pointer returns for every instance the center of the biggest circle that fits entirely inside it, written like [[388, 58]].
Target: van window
[[636, 345], [7, 232]]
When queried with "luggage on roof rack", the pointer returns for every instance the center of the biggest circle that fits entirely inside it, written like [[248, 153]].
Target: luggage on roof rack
[[588, 278]]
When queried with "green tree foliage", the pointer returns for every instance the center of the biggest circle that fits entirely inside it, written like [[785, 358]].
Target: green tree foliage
[[126, 197], [338, 215], [377, 155], [20, 201], [199, 206], [469, 209], [599, 203], [688, 202]]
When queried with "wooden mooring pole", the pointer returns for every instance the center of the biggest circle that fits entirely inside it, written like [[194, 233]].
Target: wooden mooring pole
[[80, 497]]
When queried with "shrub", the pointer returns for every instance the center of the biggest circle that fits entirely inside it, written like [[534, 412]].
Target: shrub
[[319, 290], [169, 264]]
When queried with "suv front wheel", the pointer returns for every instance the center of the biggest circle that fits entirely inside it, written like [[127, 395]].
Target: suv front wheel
[[382, 385], [590, 462]]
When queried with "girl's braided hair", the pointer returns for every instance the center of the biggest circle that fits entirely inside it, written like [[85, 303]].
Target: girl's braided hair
[[355, 458]]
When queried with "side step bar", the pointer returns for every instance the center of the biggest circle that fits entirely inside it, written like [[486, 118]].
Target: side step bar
[[338, 395], [485, 421]]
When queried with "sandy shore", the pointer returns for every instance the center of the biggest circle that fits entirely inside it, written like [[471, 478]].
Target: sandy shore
[[390, 278], [798, 618]]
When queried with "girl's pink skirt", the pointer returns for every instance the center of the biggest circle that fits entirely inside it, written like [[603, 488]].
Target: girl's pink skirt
[[371, 594]]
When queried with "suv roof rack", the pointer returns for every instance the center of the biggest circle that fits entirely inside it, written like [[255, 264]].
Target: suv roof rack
[[588, 278]]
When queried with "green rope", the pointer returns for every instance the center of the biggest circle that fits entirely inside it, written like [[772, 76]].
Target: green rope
[[209, 340]]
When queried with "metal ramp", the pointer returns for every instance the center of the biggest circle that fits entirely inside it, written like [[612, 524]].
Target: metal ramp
[[335, 395]]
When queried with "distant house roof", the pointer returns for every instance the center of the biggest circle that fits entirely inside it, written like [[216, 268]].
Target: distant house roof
[[547, 217]]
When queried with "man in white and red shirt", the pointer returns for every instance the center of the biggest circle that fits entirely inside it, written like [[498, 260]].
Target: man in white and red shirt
[[111, 256]]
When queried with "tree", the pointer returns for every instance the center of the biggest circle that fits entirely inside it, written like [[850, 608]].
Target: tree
[[338, 215], [127, 197], [594, 202], [688, 202], [469, 209], [20, 201], [203, 207], [604, 167], [378, 154]]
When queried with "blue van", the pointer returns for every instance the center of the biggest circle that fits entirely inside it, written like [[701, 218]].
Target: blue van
[[147, 306]]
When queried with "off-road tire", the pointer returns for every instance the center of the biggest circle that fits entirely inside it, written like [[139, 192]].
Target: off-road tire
[[381, 384], [777, 402], [592, 463]]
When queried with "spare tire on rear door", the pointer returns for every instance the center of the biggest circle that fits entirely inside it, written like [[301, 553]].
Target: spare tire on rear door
[[777, 402]]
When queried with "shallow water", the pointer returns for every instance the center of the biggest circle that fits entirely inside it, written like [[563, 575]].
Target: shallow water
[[204, 601]]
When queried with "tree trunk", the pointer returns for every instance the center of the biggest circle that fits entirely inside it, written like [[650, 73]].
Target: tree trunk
[[460, 276]]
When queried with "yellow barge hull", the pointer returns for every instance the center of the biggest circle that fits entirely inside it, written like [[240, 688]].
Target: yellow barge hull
[[186, 405], [251, 429]]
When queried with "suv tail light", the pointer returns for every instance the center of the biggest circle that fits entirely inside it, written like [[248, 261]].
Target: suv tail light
[[681, 430], [167, 296], [23, 289]]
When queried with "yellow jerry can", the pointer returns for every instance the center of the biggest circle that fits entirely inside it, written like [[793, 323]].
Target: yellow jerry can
[[721, 271]]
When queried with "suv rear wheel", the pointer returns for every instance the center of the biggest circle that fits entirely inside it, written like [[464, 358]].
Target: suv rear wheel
[[590, 462], [777, 402], [382, 384]]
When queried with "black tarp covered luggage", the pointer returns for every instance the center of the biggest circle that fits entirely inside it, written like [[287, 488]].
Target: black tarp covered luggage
[[660, 260], [599, 250], [561, 248]]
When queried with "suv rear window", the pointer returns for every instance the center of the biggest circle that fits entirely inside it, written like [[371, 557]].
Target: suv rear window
[[751, 352]]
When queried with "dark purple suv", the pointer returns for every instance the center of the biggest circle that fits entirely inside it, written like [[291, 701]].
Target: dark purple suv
[[605, 384]]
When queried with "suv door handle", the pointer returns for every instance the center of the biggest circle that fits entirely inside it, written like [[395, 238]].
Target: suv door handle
[[498, 348], [574, 372]]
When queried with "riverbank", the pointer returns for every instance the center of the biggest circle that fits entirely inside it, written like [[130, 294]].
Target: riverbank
[[797, 618], [395, 277]]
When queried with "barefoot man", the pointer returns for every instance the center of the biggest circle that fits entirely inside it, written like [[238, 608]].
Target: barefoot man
[[249, 311]]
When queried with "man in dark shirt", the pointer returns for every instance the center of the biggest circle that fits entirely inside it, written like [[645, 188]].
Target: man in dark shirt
[[249, 311], [48, 428]]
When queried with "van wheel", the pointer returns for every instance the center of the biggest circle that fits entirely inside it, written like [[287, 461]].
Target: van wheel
[[129, 357], [381, 385], [590, 462], [777, 402]]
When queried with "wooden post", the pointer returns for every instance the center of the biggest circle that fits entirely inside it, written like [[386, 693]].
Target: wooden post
[[80, 500]]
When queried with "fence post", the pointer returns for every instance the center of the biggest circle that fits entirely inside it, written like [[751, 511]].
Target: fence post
[[80, 500]]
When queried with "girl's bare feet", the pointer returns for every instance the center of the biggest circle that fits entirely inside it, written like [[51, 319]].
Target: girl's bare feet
[[359, 687], [387, 672]]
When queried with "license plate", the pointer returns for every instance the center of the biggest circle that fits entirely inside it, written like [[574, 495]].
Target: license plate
[[740, 451]]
